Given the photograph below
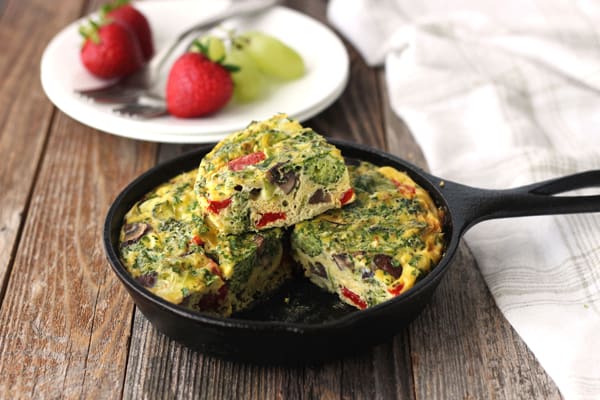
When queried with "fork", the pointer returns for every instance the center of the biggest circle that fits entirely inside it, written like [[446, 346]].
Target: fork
[[139, 89], [141, 110]]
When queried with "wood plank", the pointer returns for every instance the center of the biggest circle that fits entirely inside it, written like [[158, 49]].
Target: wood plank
[[158, 368], [25, 113], [65, 320], [470, 350]]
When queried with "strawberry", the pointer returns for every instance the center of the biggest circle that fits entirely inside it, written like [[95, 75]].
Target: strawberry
[[122, 11], [110, 50], [197, 86]]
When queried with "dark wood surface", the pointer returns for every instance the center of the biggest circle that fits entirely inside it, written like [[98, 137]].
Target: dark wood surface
[[68, 328]]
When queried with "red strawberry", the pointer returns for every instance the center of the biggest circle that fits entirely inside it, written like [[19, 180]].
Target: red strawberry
[[110, 50], [122, 11], [197, 86]]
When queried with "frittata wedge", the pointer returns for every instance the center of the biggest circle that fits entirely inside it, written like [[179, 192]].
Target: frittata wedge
[[168, 249], [274, 173], [377, 247]]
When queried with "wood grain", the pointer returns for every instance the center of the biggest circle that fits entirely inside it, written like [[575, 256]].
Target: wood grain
[[161, 368], [471, 351], [65, 320], [25, 113]]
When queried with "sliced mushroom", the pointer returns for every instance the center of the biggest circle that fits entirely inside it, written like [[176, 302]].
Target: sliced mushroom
[[384, 262], [367, 273], [285, 180], [133, 232], [289, 184], [320, 196], [318, 269], [147, 280], [343, 261], [255, 193]]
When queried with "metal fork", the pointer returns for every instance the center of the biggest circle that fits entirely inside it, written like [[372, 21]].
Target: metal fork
[[142, 84], [142, 110]]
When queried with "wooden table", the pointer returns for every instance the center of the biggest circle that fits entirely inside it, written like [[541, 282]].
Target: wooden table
[[69, 329]]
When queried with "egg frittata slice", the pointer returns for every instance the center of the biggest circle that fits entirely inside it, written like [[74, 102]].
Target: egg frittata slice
[[274, 173], [377, 247], [168, 249]]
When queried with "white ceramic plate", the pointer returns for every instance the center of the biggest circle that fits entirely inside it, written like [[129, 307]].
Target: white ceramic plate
[[324, 54]]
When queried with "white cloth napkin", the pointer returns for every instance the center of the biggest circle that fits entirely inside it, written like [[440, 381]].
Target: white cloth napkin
[[500, 94]]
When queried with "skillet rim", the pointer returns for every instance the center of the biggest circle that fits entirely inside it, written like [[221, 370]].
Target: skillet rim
[[172, 167]]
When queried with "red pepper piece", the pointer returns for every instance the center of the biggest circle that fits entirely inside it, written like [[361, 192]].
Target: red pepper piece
[[405, 189], [197, 240], [267, 218], [242, 162], [347, 196], [214, 268], [212, 301], [216, 206], [396, 289], [354, 298], [222, 292]]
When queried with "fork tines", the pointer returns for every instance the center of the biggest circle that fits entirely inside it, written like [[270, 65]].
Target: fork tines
[[143, 111], [111, 94]]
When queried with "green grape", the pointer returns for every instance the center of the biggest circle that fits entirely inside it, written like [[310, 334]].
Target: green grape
[[248, 80], [211, 46], [272, 56]]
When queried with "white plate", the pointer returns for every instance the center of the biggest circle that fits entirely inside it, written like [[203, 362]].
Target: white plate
[[324, 54]]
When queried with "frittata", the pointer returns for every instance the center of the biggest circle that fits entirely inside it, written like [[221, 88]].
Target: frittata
[[167, 248], [274, 173], [377, 247]]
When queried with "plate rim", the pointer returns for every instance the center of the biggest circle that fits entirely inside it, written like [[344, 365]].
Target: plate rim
[[74, 107]]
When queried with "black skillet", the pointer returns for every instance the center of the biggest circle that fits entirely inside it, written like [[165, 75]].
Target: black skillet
[[302, 323]]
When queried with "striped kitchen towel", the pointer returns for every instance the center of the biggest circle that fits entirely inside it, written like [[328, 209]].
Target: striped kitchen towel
[[500, 94]]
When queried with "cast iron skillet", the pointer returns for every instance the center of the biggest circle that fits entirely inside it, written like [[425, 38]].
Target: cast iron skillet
[[301, 322]]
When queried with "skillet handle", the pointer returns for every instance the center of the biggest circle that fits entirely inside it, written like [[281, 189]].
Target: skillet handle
[[472, 205]]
